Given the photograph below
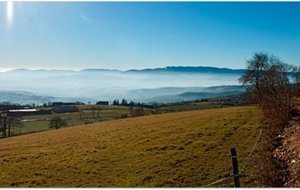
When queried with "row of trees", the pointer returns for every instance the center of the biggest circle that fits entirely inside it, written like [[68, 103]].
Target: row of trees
[[8, 124], [124, 102], [267, 80]]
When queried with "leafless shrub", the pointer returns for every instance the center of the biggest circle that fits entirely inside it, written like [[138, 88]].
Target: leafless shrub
[[57, 122], [276, 96], [139, 111], [268, 86]]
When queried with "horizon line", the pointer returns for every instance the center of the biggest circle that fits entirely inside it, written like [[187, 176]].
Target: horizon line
[[5, 70]]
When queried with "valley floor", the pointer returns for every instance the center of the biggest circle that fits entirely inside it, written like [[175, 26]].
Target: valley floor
[[181, 149]]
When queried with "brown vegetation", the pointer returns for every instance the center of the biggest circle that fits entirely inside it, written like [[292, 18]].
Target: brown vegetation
[[289, 150], [57, 122], [269, 86]]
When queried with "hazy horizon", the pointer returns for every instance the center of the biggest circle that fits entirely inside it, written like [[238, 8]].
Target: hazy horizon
[[123, 70], [109, 85], [74, 36]]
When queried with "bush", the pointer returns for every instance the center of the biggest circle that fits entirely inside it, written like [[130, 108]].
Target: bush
[[268, 85], [57, 122]]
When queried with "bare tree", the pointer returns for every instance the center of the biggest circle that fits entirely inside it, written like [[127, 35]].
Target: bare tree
[[3, 124], [267, 78], [57, 122], [276, 96], [9, 124], [256, 68], [13, 125]]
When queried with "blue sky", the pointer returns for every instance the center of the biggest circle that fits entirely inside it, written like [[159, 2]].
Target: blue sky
[[66, 35]]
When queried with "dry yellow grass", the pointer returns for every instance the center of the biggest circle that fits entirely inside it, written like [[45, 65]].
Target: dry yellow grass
[[175, 149]]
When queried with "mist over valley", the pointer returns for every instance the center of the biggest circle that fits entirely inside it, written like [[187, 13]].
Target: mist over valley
[[162, 85]]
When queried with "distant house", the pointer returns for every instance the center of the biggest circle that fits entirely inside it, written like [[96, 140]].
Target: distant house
[[12, 107], [24, 112], [63, 103], [65, 109], [102, 103]]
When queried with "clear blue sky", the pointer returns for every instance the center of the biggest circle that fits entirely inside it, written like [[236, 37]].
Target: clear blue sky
[[145, 35]]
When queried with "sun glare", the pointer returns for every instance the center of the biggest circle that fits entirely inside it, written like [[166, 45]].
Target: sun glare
[[5, 69], [9, 11]]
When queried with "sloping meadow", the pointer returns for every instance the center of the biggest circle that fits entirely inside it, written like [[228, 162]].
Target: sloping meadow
[[183, 149]]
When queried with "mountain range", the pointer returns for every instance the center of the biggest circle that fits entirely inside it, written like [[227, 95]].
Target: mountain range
[[180, 69], [159, 95], [166, 84]]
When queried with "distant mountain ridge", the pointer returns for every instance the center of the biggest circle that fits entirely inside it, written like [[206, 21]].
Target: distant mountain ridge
[[109, 84], [192, 69], [23, 97], [157, 95], [172, 94], [185, 69]]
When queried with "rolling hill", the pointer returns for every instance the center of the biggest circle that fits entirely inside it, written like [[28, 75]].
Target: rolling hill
[[108, 84], [24, 97], [187, 149], [156, 95], [190, 69], [172, 94]]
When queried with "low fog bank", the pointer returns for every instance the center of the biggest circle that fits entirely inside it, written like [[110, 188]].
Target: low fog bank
[[110, 85]]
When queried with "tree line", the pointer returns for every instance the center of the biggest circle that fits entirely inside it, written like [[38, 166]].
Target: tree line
[[8, 124], [124, 102], [271, 84]]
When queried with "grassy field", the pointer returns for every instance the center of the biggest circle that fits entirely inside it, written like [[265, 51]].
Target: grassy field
[[187, 149], [94, 113], [34, 123], [188, 106]]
